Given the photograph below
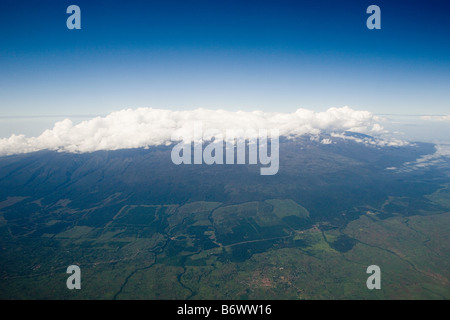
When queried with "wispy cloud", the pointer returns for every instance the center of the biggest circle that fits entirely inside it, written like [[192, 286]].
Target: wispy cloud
[[372, 141], [439, 159], [436, 118]]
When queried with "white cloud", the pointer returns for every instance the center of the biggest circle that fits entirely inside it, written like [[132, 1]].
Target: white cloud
[[146, 127], [373, 141], [436, 118], [439, 159], [326, 141]]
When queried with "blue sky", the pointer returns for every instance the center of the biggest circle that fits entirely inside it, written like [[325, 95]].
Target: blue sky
[[265, 55]]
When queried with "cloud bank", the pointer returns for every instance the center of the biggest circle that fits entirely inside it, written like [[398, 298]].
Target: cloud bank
[[436, 118], [147, 127]]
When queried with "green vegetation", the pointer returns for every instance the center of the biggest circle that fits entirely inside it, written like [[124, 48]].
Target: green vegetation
[[207, 250], [142, 228]]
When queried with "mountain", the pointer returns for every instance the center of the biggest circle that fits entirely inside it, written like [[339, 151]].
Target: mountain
[[140, 226]]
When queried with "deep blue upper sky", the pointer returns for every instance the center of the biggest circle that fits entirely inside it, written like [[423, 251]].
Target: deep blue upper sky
[[268, 55]]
